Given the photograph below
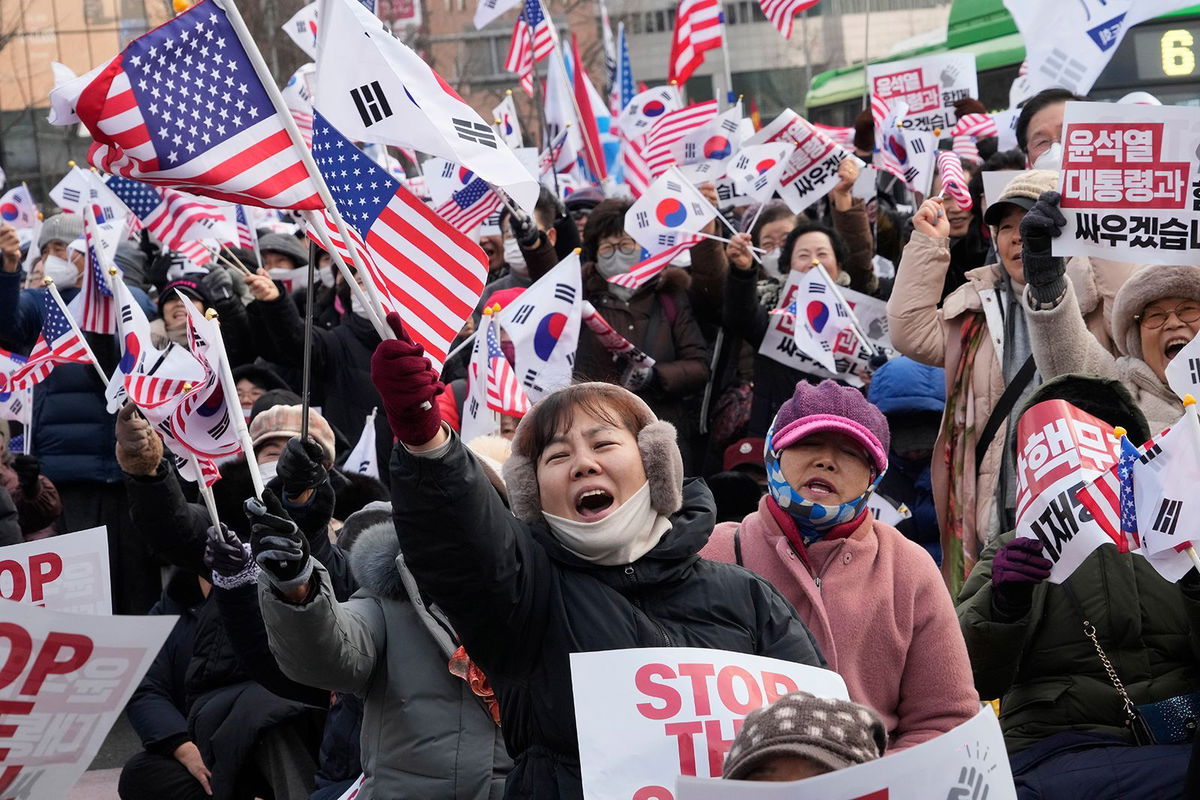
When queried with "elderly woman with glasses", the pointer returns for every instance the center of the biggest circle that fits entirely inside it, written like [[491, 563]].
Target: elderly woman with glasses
[[656, 317], [1155, 314]]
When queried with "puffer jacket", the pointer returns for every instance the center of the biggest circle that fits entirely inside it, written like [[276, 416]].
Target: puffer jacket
[[522, 603], [424, 733], [1047, 674], [1062, 344]]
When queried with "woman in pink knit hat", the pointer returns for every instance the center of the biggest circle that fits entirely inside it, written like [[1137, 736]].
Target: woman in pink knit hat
[[874, 600]]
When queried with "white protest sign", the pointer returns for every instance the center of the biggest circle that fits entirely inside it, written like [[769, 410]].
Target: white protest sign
[[1130, 183], [811, 172], [648, 715], [871, 313], [66, 573], [930, 85], [730, 194], [994, 184], [966, 763], [886, 511], [1060, 449], [64, 680], [866, 188]]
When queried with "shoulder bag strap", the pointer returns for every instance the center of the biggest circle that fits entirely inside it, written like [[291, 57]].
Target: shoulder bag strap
[[1089, 630], [1002, 409]]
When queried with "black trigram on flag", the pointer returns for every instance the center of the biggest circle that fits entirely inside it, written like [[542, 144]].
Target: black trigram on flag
[[674, 187], [1194, 369], [126, 315], [689, 150], [448, 169], [667, 240], [218, 430], [642, 219], [474, 132], [473, 407], [728, 126], [564, 292], [530, 379], [1168, 516], [1150, 454], [371, 104], [918, 145], [72, 195], [816, 288], [522, 315]]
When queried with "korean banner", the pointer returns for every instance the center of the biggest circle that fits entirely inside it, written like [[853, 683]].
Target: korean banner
[[1130, 183], [811, 172], [649, 715], [930, 85], [66, 573], [64, 679], [1060, 449], [966, 763]]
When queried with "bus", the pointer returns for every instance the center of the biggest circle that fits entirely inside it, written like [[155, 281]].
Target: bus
[[1158, 56]]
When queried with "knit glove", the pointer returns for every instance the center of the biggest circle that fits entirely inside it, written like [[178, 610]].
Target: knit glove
[[637, 377], [28, 475], [1044, 273], [139, 450], [407, 383], [524, 230], [218, 283], [279, 548], [229, 559], [1017, 567]]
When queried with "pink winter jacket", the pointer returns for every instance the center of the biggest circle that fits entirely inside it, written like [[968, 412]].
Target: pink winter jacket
[[882, 617]]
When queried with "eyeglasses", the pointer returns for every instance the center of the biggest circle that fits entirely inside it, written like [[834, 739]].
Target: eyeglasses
[[1156, 319], [625, 247]]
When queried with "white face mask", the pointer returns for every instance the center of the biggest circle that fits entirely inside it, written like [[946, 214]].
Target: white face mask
[[622, 537], [326, 275], [64, 272], [514, 257], [357, 307], [268, 470], [1051, 159], [770, 261]]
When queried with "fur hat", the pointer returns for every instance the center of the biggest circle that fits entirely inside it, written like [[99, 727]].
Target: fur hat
[[829, 406], [1022, 191], [1140, 290], [656, 441], [64, 228], [833, 733]]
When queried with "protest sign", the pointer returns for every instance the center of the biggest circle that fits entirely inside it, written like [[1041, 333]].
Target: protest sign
[[64, 679], [995, 182], [1130, 183], [930, 85], [1060, 449], [811, 172], [648, 715], [730, 194], [886, 511], [62, 573], [966, 763]]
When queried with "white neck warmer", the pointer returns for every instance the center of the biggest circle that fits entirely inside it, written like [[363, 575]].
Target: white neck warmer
[[622, 537]]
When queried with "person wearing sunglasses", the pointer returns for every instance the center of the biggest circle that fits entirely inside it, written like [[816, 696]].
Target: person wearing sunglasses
[[1156, 312]]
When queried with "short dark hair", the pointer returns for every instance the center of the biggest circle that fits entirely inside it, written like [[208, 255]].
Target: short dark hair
[[806, 225], [606, 219], [864, 131], [552, 415], [774, 212], [1044, 98], [547, 209]]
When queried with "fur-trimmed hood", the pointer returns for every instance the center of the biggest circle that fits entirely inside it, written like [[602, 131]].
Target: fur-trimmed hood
[[375, 558]]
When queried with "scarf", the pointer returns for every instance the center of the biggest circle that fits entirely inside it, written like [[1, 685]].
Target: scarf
[[463, 667], [795, 533], [622, 537], [958, 432]]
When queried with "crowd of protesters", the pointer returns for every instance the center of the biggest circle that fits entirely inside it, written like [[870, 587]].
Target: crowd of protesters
[[415, 627]]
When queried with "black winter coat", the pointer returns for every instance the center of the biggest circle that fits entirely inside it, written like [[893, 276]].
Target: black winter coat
[[522, 603]]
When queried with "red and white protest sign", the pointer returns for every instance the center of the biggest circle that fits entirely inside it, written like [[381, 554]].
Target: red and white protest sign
[[967, 763], [646, 716], [811, 171], [929, 85], [1130, 187], [1060, 450], [66, 573], [64, 679]]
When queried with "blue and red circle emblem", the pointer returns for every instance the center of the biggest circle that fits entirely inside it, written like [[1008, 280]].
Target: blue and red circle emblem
[[896, 145], [465, 175], [214, 403], [764, 165], [718, 147], [654, 108], [9, 211], [818, 315], [670, 212], [133, 349], [548, 332]]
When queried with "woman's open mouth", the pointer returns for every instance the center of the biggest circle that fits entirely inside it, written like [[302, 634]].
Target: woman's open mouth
[[1173, 345], [594, 504], [818, 488]]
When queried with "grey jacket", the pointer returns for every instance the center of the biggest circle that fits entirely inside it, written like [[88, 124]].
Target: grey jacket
[[424, 734]]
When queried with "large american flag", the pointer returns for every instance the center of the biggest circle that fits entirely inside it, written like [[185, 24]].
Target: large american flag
[[176, 219], [99, 312], [651, 266], [60, 342], [504, 392], [468, 207], [426, 270], [698, 29], [650, 156], [532, 40], [782, 12], [182, 106], [1110, 498]]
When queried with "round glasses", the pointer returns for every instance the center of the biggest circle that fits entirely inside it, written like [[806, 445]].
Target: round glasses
[[626, 247], [1188, 313]]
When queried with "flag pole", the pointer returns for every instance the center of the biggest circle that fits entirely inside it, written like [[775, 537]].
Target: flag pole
[[225, 376], [315, 225], [27, 430], [205, 490], [538, 101], [728, 68], [53, 290], [306, 362], [289, 124]]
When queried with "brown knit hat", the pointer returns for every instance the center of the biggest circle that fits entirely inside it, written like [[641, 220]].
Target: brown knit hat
[[284, 422], [1022, 191], [1140, 290], [833, 733]]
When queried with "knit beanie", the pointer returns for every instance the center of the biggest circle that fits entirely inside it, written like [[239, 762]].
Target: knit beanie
[[64, 228], [656, 439], [1140, 290], [830, 406], [833, 733], [185, 286], [1022, 191], [289, 246]]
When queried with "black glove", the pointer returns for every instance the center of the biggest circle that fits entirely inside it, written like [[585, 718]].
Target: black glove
[[524, 230], [228, 559], [279, 548], [218, 283], [28, 471], [1044, 273], [301, 465]]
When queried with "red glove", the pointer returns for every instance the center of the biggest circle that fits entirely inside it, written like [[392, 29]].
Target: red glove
[[408, 384]]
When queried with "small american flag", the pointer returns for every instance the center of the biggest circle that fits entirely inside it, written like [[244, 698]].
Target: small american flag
[[468, 207], [246, 233], [650, 267], [954, 182], [1110, 498], [533, 39], [424, 268], [99, 314], [782, 12], [504, 392], [699, 26], [182, 106], [170, 215], [60, 342], [650, 157]]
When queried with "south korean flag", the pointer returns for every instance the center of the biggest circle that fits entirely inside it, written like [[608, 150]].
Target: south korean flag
[[543, 324], [704, 154], [757, 168], [1164, 487], [670, 208]]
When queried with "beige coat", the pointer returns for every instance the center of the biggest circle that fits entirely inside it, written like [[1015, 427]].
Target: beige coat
[[1061, 344], [925, 333]]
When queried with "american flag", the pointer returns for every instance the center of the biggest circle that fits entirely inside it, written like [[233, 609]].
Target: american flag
[[532, 40], [699, 28], [182, 106], [650, 157], [887, 122], [964, 147], [504, 392], [468, 207], [170, 215], [1110, 498], [954, 182], [622, 89], [781, 13], [246, 233], [99, 313], [425, 269], [836, 134], [60, 342], [977, 126], [652, 265]]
